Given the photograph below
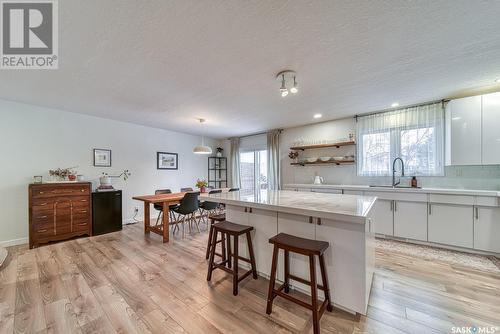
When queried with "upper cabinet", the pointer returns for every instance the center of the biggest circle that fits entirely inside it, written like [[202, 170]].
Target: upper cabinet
[[463, 131], [472, 136], [491, 129]]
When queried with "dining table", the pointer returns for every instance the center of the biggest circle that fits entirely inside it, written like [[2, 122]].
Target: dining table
[[165, 200]]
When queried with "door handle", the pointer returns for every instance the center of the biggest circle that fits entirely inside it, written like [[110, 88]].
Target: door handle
[[476, 212], [310, 220], [430, 208], [392, 205], [395, 206], [318, 221]]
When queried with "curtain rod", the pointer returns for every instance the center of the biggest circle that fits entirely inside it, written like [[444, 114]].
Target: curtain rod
[[442, 101], [255, 134]]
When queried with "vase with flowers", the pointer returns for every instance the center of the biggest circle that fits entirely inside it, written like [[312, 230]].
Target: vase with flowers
[[202, 185], [63, 174], [293, 155], [219, 152]]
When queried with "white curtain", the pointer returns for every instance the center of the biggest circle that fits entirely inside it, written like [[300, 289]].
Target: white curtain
[[415, 134], [273, 160], [234, 160]]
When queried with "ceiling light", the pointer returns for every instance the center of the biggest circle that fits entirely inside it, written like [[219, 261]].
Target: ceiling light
[[286, 77], [394, 105], [317, 116], [294, 89], [202, 149]]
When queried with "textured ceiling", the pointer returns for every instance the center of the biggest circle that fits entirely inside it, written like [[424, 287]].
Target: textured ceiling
[[165, 63]]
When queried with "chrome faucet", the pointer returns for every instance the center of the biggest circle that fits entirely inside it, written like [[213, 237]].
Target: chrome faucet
[[394, 183]]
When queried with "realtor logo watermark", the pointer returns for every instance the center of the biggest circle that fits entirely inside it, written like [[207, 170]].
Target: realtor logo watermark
[[29, 34]]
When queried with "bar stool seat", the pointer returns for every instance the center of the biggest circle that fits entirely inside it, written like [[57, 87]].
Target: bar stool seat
[[311, 249], [228, 229]]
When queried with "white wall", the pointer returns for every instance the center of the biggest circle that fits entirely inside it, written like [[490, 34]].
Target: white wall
[[35, 139], [471, 177]]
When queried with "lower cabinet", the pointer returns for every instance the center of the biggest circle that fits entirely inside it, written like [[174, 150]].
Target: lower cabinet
[[487, 229], [451, 224], [382, 217], [410, 220]]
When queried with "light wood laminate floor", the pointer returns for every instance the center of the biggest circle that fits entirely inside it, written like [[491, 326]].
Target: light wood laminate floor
[[128, 283]]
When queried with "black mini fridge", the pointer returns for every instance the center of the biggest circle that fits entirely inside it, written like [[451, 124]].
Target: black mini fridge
[[106, 212]]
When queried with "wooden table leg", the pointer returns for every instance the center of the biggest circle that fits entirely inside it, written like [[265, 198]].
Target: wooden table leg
[[146, 217], [166, 214]]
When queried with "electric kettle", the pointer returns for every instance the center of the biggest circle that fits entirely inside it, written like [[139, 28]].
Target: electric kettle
[[318, 180]]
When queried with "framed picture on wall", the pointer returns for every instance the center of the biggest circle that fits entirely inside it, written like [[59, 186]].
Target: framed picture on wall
[[166, 160], [102, 157]]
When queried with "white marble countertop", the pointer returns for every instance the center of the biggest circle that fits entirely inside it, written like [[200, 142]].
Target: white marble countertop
[[351, 208], [450, 191]]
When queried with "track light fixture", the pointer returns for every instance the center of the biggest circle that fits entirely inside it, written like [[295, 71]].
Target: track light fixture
[[287, 77]]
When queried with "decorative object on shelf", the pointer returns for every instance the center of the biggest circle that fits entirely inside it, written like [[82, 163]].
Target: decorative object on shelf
[[105, 180], [414, 182], [324, 159], [286, 78], [351, 136], [166, 160], [318, 180], [37, 179], [102, 157], [310, 160], [202, 185], [219, 152], [293, 155], [202, 149], [62, 174]]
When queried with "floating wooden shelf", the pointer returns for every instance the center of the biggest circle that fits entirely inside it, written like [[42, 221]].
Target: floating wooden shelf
[[308, 147], [331, 162]]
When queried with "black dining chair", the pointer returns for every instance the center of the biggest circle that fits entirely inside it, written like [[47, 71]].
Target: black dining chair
[[207, 207], [187, 210], [159, 207], [185, 190], [233, 189]]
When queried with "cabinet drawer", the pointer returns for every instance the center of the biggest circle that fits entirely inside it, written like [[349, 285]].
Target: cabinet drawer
[[81, 225], [51, 191], [451, 199], [42, 202], [43, 230], [42, 218], [81, 201], [486, 201]]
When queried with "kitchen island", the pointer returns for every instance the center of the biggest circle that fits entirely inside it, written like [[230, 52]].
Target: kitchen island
[[341, 220]]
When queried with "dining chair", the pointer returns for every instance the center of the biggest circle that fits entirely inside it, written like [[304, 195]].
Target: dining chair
[[187, 210], [159, 207], [207, 207], [185, 190]]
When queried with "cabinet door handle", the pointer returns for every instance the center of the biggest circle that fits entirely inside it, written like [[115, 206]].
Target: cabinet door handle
[[246, 209], [310, 220], [318, 221], [392, 205], [430, 208], [477, 212], [395, 206]]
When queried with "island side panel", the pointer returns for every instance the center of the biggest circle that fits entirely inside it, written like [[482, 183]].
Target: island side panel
[[346, 261]]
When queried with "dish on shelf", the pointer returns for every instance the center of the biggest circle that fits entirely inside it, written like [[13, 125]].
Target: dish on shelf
[[324, 159], [339, 158], [311, 159]]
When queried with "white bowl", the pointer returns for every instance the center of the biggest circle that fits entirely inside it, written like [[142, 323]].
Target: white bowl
[[324, 159], [338, 158], [311, 159]]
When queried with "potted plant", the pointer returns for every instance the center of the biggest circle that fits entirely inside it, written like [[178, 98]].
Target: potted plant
[[202, 185], [219, 152]]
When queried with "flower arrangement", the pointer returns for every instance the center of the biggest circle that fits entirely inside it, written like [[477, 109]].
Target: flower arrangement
[[63, 173], [201, 183], [293, 154], [219, 149]]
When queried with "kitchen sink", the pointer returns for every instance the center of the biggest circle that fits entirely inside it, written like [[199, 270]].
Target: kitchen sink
[[396, 187]]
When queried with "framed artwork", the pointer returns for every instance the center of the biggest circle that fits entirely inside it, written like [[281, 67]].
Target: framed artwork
[[166, 160], [102, 158]]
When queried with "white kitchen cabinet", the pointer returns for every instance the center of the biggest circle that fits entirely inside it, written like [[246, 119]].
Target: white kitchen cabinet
[[463, 131], [410, 220], [490, 129], [487, 229], [303, 227], [451, 224], [382, 217]]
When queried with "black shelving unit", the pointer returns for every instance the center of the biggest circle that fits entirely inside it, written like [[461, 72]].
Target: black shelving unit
[[217, 172]]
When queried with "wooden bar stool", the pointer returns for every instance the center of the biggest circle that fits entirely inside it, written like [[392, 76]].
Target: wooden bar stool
[[216, 218], [230, 229], [309, 248]]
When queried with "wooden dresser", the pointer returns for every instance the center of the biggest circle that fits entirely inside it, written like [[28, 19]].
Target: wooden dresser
[[59, 211]]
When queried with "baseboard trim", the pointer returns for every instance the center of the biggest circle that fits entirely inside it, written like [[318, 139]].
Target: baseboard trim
[[14, 242]]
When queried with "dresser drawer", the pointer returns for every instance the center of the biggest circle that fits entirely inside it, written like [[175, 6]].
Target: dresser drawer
[[81, 202], [62, 190], [81, 225], [44, 230], [43, 218]]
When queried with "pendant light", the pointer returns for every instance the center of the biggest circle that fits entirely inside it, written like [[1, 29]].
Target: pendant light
[[285, 78], [202, 149]]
